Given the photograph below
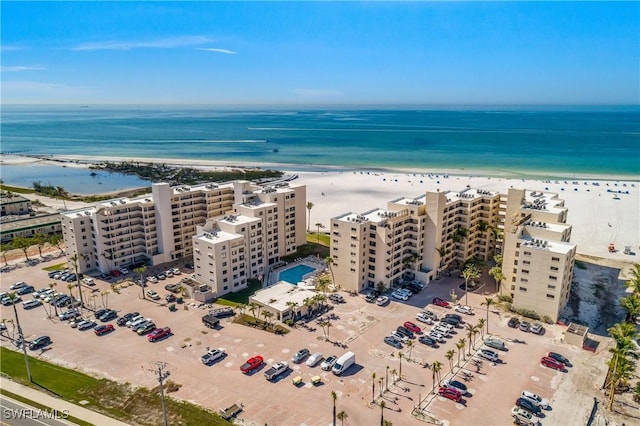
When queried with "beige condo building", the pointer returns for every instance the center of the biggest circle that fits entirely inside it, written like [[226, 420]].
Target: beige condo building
[[420, 238], [159, 227]]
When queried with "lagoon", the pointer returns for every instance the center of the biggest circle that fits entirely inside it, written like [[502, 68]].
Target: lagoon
[[75, 180]]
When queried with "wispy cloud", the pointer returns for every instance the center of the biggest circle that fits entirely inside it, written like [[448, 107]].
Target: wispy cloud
[[167, 43], [9, 48], [215, 49], [22, 68], [318, 93], [31, 87]]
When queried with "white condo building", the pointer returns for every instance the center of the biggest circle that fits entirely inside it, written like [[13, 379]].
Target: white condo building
[[422, 237], [159, 227]]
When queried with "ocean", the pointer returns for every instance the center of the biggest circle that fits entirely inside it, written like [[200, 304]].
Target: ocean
[[561, 142]]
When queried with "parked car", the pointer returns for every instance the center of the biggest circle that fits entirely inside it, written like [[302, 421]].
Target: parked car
[[159, 333], [430, 314], [103, 329], [405, 332], [100, 312], [529, 406], [420, 316], [456, 317], [122, 321], [136, 321], [176, 271], [152, 279], [522, 417], [513, 322], [406, 291], [104, 276], [489, 355], [412, 327], [537, 328], [400, 337], [25, 290], [552, 363], [86, 324], [170, 298], [442, 330], [429, 341], [212, 356], [382, 300], [560, 358], [300, 356], [123, 270], [153, 295], [66, 315], [328, 362], [6, 301], [459, 386], [464, 309], [391, 340], [30, 304], [40, 342], [440, 302], [438, 337], [18, 285], [524, 326], [495, 343], [173, 288], [161, 276], [108, 316], [450, 393], [145, 328], [314, 359], [536, 399], [336, 298], [252, 364], [400, 296], [276, 370], [89, 281]]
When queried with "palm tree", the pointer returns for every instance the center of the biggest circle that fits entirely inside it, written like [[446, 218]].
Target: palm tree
[[323, 325], [323, 284], [393, 375], [267, 318], [23, 244], [623, 330], [382, 405], [319, 225], [470, 273], [634, 282], [470, 330], [252, 308], [74, 260], [380, 382], [496, 273], [334, 396], [386, 422], [342, 416], [474, 333], [400, 370], [5, 248], [449, 355], [51, 286], [241, 308], [482, 226], [292, 305], [386, 377], [410, 345], [329, 262], [442, 252], [13, 296], [140, 270], [373, 386], [632, 305], [460, 345], [488, 302], [309, 207], [480, 325], [436, 367], [620, 368]]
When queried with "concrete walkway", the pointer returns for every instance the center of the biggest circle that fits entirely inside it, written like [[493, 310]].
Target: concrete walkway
[[58, 404]]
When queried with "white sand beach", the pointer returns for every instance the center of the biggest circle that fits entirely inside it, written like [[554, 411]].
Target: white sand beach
[[602, 210]]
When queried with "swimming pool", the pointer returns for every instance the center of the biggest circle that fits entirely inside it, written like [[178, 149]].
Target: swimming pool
[[295, 274]]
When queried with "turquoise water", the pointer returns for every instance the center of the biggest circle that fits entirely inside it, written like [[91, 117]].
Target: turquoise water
[[555, 141], [295, 274]]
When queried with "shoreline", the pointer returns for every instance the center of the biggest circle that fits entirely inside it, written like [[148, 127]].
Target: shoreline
[[86, 161], [601, 210]]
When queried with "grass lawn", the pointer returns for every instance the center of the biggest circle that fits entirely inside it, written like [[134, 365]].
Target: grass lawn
[[315, 238], [16, 189], [58, 267], [242, 296], [312, 248], [117, 400], [39, 406]]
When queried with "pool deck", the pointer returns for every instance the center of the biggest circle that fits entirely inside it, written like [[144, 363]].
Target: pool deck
[[311, 261]]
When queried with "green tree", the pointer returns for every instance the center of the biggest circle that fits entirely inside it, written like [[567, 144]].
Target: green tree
[[267, 317], [382, 420], [342, 416], [373, 386], [470, 273], [5, 248], [334, 396], [460, 345], [55, 307], [318, 226], [58, 241], [498, 276], [436, 368], [140, 270], [488, 302], [23, 244], [329, 262], [410, 345], [252, 308], [631, 304], [634, 282], [470, 330], [40, 240], [449, 355], [481, 324], [309, 207], [442, 253], [380, 287]]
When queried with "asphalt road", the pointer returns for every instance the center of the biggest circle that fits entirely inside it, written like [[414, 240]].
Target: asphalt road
[[16, 413]]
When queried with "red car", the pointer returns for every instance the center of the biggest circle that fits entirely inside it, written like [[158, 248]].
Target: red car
[[552, 363], [412, 327], [158, 333], [450, 393], [251, 364], [439, 302], [103, 329]]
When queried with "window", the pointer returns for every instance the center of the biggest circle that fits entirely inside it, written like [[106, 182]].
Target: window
[[527, 253], [553, 278], [551, 287], [550, 296], [523, 289], [525, 271], [555, 259], [554, 268]]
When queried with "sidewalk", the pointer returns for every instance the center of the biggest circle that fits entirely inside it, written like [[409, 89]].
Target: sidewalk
[[58, 404]]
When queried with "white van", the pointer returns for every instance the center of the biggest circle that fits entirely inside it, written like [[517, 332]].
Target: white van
[[343, 363]]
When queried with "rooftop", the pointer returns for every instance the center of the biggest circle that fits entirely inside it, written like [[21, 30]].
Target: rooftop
[[277, 295], [547, 245]]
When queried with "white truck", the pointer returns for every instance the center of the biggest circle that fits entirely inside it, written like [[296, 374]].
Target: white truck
[[343, 363], [276, 370]]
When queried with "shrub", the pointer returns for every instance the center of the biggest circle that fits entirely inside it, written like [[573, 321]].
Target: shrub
[[528, 313], [509, 307], [505, 298], [547, 319]]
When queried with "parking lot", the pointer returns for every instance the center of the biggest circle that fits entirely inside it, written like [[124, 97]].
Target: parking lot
[[124, 356]]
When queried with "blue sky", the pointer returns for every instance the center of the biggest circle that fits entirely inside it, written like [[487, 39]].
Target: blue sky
[[439, 53]]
